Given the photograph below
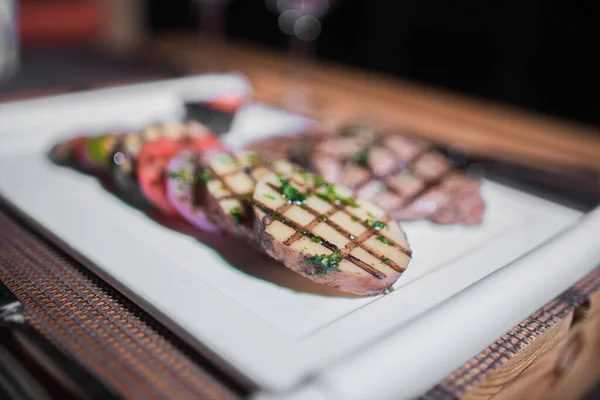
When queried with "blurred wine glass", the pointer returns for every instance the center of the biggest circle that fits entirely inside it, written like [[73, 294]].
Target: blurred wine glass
[[301, 21], [212, 32]]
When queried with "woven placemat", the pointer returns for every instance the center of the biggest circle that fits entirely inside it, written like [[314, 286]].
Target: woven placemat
[[98, 327]]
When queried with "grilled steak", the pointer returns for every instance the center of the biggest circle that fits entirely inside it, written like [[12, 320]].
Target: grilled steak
[[230, 182], [324, 233], [402, 175]]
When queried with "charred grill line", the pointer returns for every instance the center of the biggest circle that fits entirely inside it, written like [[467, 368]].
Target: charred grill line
[[363, 265], [426, 187], [399, 168], [272, 215], [341, 230], [345, 252], [428, 184]]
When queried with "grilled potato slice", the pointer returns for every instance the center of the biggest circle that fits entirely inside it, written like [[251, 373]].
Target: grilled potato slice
[[230, 181], [323, 232]]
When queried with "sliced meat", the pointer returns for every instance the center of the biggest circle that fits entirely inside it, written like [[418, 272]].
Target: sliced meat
[[230, 182], [324, 233], [402, 175]]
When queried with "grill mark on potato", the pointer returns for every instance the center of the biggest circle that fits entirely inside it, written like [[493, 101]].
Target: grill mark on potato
[[306, 230], [273, 214], [360, 241], [338, 207], [368, 268], [301, 231]]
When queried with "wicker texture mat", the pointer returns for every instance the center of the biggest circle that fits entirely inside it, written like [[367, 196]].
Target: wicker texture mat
[[95, 325]]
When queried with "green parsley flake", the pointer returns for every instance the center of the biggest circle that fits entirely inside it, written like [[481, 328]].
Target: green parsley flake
[[388, 289], [182, 175], [290, 192], [319, 181], [376, 224], [363, 159], [331, 196], [383, 240], [354, 218], [269, 196], [206, 175], [385, 260], [305, 177], [323, 263], [236, 213], [317, 239]]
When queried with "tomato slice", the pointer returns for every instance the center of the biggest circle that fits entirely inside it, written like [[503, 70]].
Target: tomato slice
[[152, 165]]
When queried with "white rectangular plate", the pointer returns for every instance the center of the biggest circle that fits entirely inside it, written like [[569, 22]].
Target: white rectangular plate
[[267, 323]]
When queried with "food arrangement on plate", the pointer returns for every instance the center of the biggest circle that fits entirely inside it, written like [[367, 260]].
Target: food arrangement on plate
[[326, 203]]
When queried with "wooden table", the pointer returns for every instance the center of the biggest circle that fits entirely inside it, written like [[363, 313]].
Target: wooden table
[[561, 358], [563, 362]]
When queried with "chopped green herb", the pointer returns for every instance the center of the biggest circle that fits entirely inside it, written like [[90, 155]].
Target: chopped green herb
[[363, 158], [354, 218], [385, 260], [305, 177], [323, 217], [182, 175], [349, 202], [236, 213], [388, 289], [352, 237], [317, 239], [370, 215], [331, 196], [383, 240], [206, 175], [319, 181], [323, 263], [377, 225], [290, 192], [269, 196]]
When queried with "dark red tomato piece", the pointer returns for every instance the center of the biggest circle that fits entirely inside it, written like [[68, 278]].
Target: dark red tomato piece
[[152, 165]]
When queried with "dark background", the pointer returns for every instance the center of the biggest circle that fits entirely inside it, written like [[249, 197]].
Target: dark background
[[541, 55]]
